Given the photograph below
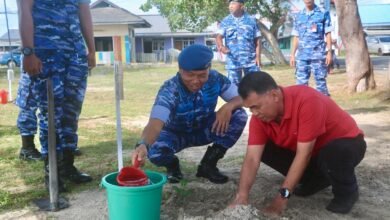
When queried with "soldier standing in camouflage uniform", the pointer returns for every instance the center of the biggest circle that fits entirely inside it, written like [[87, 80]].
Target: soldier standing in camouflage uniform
[[242, 42], [184, 116], [53, 46], [310, 26], [27, 119]]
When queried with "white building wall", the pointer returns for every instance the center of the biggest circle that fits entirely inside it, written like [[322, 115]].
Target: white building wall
[[111, 30]]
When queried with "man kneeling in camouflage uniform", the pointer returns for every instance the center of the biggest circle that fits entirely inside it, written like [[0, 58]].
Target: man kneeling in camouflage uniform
[[184, 116]]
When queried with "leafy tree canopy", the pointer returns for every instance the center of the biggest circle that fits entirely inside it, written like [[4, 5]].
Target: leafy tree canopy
[[189, 14], [197, 15]]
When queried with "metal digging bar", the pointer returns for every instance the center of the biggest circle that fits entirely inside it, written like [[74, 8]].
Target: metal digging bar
[[55, 202], [118, 74]]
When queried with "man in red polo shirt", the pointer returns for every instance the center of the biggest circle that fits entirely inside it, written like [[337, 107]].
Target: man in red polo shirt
[[305, 136]]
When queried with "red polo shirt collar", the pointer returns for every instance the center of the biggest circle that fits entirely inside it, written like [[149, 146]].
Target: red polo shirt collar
[[287, 105]]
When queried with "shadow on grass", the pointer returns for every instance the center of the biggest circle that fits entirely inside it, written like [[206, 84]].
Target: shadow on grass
[[9, 201], [368, 110], [93, 118], [23, 181], [20, 180]]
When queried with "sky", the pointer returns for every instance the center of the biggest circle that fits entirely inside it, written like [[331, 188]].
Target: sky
[[12, 16], [133, 6]]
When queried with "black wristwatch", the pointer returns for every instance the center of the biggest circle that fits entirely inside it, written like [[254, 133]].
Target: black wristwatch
[[27, 51], [144, 143], [284, 193]]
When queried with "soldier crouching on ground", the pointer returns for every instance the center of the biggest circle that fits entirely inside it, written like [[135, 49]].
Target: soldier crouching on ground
[[184, 116]]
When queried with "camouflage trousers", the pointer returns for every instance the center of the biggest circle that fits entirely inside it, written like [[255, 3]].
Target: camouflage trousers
[[27, 118], [68, 71], [169, 143], [320, 71], [235, 75]]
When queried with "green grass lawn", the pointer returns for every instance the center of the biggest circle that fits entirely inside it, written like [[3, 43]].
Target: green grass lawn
[[21, 181]]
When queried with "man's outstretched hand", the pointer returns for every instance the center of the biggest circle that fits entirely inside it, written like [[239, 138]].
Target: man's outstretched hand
[[222, 120], [139, 154], [239, 200], [276, 207], [224, 50]]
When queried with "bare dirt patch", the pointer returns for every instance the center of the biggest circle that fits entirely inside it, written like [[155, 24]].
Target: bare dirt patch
[[209, 201]]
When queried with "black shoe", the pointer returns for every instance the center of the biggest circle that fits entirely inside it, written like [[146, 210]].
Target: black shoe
[[174, 177], [212, 174], [309, 189], [75, 176], [174, 174], [343, 204], [31, 154], [61, 184], [70, 172], [77, 152], [28, 150], [208, 165]]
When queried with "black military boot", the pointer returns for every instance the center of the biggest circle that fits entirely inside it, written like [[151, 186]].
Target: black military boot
[[174, 174], [77, 152], [60, 164], [70, 172], [28, 150], [208, 165]]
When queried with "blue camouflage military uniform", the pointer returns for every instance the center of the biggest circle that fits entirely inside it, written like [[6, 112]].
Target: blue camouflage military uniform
[[240, 34], [188, 117], [310, 28], [59, 44], [27, 118]]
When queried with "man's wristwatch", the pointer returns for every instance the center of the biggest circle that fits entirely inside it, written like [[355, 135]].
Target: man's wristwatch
[[27, 51], [284, 193], [144, 143]]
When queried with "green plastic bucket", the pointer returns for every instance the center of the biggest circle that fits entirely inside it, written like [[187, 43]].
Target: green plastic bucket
[[133, 203]]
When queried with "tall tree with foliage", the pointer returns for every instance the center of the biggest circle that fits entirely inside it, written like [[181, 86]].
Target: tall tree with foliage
[[358, 63], [197, 15]]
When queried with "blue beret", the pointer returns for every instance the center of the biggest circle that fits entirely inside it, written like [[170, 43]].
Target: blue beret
[[195, 57], [240, 1]]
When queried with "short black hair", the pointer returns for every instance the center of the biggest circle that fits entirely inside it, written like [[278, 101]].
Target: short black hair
[[259, 82]]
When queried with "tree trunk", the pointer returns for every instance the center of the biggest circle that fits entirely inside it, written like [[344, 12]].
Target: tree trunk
[[268, 54], [358, 63], [277, 55]]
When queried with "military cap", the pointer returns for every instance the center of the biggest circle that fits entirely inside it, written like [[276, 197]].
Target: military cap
[[195, 57], [240, 1]]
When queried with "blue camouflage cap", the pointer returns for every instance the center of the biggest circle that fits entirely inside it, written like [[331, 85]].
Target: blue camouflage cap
[[240, 1], [195, 57]]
